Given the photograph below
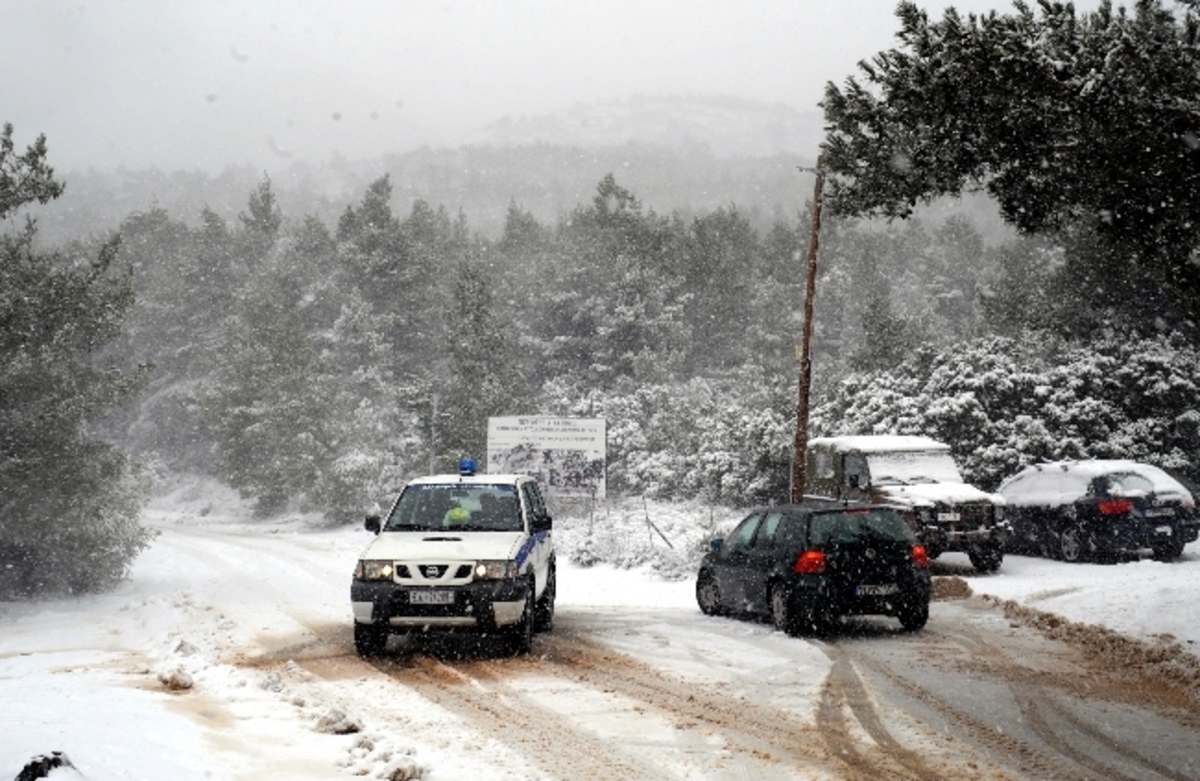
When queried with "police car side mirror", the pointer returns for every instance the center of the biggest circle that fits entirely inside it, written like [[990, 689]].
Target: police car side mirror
[[543, 523], [715, 545], [373, 523]]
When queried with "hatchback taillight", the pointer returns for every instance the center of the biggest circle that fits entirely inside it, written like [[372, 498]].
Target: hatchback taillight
[[811, 562], [920, 557], [1114, 506]]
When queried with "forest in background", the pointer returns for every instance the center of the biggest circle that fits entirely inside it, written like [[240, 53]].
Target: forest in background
[[316, 363], [315, 345], [321, 364]]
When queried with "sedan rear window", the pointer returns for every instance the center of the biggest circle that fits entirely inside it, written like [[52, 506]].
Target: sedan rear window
[[1123, 484]]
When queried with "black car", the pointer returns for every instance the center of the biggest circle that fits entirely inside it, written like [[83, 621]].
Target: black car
[[805, 565], [1099, 509]]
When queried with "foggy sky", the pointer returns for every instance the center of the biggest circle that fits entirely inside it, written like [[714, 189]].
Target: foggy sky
[[203, 85]]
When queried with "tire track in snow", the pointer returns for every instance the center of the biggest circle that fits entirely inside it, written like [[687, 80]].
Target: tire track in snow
[[771, 735], [1060, 726], [496, 708], [1031, 727], [845, 691]]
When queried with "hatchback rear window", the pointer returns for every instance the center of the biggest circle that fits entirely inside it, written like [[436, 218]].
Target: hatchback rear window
[[856, 524]]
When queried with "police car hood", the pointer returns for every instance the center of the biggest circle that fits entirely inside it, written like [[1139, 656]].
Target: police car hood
[[444, 546], [929, 494]]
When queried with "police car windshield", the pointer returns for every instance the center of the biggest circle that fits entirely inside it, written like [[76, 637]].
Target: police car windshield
[[457, 508]]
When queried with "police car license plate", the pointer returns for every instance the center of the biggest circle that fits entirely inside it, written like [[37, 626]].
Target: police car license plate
[[431, 597], [878, 591], [1164, 530], [951, 516]]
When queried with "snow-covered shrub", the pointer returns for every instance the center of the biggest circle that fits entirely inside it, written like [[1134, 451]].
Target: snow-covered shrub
[[668, 537], [725, 440], [1005, 403]]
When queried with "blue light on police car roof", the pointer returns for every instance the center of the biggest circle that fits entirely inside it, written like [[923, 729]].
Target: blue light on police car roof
[[466, 467]]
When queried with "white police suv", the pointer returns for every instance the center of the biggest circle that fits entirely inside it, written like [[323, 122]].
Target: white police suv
[[467, 552]]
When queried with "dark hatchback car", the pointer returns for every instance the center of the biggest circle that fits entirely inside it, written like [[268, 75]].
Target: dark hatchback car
[[1099, 509], [806, 565]]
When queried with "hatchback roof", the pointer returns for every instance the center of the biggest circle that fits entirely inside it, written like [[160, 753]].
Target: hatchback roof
[[818, 505]]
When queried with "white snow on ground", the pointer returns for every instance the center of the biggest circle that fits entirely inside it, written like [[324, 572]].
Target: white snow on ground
[[157, 679], [1142, 598]]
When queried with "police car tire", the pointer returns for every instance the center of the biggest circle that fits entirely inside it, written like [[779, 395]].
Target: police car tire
[[543, 613], [369, 640], [521, 639]]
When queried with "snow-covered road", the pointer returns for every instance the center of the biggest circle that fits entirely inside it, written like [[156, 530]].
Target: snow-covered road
[[227, 655]]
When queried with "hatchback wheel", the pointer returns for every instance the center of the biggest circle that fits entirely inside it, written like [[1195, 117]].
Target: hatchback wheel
[[914, 616], [1072, 543], [708, 595], [782, 613]]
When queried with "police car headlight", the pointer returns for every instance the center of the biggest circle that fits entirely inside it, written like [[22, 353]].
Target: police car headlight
[[371, 569], [495, 570]]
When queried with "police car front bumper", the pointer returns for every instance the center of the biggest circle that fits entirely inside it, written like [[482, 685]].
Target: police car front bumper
[[481, 606]]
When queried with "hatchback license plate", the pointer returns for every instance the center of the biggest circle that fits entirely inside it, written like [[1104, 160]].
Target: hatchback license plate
[[878, 591], [431, 597], [1164, 530]]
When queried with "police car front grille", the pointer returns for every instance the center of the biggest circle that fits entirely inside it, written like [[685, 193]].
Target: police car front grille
[[449, 573]]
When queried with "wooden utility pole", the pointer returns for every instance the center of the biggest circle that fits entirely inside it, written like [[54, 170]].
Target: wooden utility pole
[[801, 443]]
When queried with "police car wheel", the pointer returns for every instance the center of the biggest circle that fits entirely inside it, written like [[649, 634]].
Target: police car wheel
[[521, 639], [543, 613], [370, 640]]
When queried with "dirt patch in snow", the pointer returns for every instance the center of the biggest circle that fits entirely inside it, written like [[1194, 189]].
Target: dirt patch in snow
[[952, 587], [1161, 659]]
